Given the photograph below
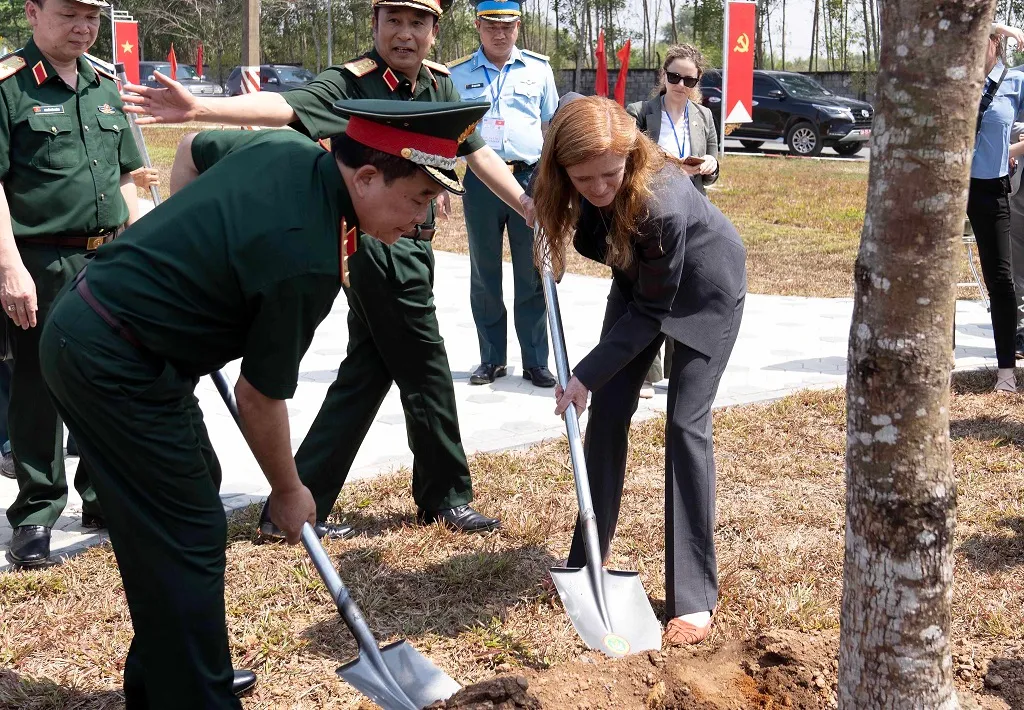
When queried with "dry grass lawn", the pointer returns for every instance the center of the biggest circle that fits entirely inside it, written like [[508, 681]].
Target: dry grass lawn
[[800, 219], [475, 605]]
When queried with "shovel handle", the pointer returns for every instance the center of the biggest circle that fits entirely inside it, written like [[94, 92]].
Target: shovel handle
[[140, 141], [572, 422]]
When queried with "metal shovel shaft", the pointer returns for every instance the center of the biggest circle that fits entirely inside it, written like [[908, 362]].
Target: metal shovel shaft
[[591, 541], [154, 190]]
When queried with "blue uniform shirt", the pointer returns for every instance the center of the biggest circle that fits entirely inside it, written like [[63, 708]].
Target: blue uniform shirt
[[992, 146], [522, 93]]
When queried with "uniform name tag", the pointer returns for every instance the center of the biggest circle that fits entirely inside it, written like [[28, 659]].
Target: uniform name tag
[[48, 109], [475, 86]]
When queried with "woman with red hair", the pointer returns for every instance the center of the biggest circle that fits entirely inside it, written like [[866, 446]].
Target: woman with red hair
[[678, 271]]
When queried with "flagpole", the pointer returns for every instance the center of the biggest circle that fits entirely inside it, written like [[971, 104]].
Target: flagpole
[[725, 85], [113, 36]]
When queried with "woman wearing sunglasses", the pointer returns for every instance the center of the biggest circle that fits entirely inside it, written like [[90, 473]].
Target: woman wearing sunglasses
[[675, 119]]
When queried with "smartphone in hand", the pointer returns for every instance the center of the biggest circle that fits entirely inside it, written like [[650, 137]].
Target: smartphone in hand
[[692, 160]]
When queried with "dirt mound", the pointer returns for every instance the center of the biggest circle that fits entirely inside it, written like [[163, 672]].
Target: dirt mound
[[503, 693], [777, 670]]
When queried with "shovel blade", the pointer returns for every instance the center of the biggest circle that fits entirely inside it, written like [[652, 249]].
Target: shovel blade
[[417, 681], [633, 626]]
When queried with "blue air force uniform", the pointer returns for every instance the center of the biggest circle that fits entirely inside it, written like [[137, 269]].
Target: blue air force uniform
[[523, 97]]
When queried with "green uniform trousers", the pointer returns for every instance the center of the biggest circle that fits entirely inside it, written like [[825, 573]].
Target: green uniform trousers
[[137, 420], [487, 217], [393, 336], [36, 431]]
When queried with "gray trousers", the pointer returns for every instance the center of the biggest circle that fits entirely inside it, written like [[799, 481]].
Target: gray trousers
[[691, 569]]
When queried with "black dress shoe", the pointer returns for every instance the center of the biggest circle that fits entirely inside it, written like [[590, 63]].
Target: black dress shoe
[[7, 467], [244, 682], [486, 374], [462, 519], [268, 532], [30, 546], [93, 521], [540, 376]]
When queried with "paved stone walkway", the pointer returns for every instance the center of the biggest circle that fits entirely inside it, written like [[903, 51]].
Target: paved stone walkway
[[785, 344]]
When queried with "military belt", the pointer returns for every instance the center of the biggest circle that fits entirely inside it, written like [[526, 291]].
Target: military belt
[[117, 326], [519, 166], [89, 242]]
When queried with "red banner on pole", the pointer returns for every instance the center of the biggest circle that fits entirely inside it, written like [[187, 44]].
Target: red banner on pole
[[199, 60], [738, 88], [126, 34], [173, 59], [601, 82], [620, 82]]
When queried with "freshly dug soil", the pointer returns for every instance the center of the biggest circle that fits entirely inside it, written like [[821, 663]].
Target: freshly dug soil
[[782, 669]]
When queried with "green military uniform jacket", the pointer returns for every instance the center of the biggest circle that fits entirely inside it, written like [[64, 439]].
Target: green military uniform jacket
[[368, 77], [62, 151], [242, 263]]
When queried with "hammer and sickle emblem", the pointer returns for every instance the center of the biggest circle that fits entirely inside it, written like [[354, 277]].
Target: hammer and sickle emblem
[[742, 43]]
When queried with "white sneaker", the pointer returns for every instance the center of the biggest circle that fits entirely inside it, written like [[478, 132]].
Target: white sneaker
[[647, 391]]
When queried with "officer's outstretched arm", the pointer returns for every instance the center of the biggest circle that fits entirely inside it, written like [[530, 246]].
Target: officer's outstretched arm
[[493, 172], [17, 289], [265, 426], [173, 103]]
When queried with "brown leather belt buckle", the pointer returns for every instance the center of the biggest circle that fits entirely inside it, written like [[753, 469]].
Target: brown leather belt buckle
[[94, 243]]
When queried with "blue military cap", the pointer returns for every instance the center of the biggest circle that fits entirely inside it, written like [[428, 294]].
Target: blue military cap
[[499, 10]]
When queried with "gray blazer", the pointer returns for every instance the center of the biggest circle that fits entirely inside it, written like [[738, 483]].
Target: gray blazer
[[703, 136], [687, 278]]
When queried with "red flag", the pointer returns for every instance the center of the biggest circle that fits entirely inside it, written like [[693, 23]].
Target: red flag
[[199, 59], [173, 59], [601, 83], [126, 33], [620, 83]]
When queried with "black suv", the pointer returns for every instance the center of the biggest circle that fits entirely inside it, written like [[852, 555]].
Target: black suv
[[273, 77], [797, 109]]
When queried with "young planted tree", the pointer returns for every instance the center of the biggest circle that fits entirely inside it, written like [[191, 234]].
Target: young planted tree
[[900, 491]]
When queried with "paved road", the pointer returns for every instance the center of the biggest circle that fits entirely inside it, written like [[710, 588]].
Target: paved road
[[785, 344], [779, 148]]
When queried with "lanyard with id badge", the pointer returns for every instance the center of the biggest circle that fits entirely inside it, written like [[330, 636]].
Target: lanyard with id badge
[[492, 127]]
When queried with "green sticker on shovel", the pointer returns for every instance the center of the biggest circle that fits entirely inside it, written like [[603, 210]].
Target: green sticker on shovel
[[616, 644]]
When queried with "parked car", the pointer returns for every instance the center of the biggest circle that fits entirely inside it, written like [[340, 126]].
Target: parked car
[[795, 108], [187, 75], [273, 77]]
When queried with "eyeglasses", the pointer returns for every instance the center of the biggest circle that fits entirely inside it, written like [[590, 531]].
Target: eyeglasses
[[688, 81]]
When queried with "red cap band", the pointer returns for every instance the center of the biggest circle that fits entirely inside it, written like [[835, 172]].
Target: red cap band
[[391, 140]]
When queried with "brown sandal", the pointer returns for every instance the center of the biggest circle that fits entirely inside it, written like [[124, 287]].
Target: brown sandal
[[683, 633]]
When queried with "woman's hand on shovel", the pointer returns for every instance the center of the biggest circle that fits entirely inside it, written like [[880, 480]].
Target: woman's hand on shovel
[[290, 508], [575, 393]]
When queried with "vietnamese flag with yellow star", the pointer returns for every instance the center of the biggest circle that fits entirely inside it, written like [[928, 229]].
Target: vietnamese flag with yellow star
[[126, 39]]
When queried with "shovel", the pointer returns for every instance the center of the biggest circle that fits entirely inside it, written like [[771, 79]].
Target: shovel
[[396, 677], [608, 608]]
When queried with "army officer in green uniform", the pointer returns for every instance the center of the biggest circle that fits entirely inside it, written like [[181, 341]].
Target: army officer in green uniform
[[65, 159], [213, 275], [393, 330]]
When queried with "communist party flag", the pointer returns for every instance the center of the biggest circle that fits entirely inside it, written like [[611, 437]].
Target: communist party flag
[[173, 59], [601, 83], [620, 82], [199, 58], [126, 34]]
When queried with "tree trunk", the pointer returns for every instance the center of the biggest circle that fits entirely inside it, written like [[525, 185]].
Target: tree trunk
[[868, 42], [812, 60], [675, 30], [771, 50], [783, 35], [900, 490]]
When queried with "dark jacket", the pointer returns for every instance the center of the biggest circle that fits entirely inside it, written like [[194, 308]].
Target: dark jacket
[[687, 277], [703, 136]]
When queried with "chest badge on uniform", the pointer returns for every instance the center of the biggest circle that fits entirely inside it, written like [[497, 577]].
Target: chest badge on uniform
[[48, 110], [348, 240], [107, 109]]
